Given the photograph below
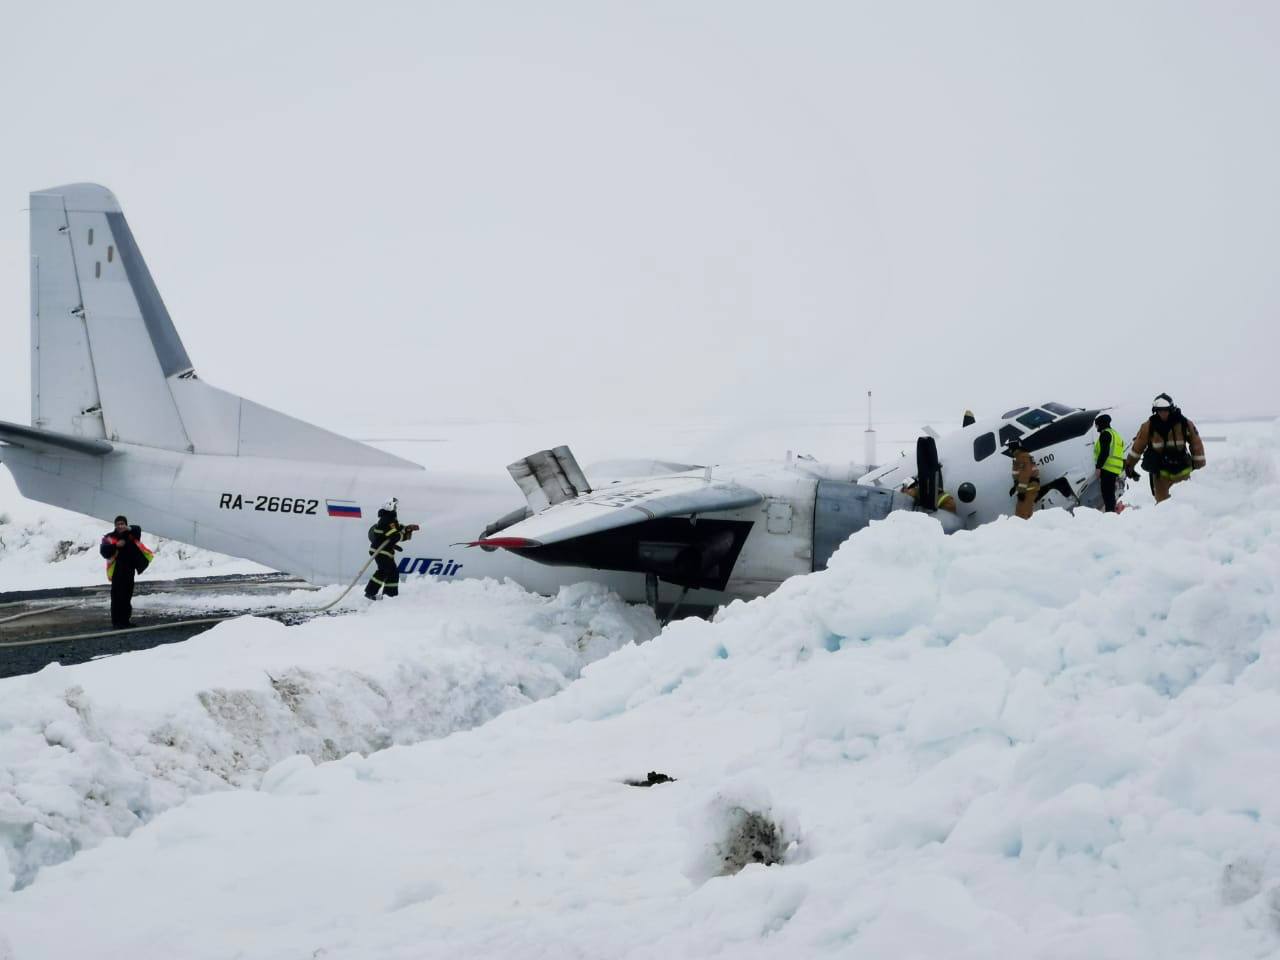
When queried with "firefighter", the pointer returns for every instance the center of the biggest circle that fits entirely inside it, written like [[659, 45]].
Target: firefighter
[[1169, 446], [385, 538], [1026, 480], [945, 500], [1108, 460], [126, 556]]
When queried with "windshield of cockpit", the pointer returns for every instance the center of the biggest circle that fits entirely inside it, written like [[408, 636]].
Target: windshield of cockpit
[[1019, 422]]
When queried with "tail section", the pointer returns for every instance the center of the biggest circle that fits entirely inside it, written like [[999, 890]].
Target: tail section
[[64, 386], [107, 362]]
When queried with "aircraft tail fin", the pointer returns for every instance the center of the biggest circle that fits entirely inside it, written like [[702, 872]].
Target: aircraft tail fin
[[106, 359]]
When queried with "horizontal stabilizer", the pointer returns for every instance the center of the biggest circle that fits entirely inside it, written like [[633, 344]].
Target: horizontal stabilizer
[[620, 505], [48, 441]]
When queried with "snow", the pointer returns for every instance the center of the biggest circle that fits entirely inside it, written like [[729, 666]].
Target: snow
[[1044, 739], [93, 751]]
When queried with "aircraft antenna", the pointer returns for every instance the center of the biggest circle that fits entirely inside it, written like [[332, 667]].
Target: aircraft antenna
[[869, 438]]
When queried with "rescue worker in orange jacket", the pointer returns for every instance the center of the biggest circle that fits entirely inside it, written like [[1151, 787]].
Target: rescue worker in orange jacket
[[945, 500], [126, 556], [1168, 445], [1026, 480]]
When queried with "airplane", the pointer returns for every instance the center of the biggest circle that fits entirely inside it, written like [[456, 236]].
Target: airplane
[[122, 423]]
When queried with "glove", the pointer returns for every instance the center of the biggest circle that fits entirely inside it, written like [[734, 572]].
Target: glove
[[1131, 473]]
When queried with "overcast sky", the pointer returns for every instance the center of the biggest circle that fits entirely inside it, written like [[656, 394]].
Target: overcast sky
[[369, 212]]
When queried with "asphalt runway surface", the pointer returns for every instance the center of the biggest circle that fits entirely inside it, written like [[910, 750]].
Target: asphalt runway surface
[[91, 614]]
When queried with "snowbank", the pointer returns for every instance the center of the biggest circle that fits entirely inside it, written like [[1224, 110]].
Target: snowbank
[[1044, 739], [94, 750]]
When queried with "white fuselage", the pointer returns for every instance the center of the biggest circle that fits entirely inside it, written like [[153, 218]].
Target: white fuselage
[[122, 423], [277, 513], [312, 518], [972, 455]]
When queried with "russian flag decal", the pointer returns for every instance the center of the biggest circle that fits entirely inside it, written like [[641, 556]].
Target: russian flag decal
[[343, 508]]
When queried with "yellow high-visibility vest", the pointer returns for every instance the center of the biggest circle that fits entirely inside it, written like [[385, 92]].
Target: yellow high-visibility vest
[[1115, 456]]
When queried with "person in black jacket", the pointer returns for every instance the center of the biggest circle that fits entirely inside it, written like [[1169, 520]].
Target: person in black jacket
[[1108, 460], [126, 556], [385, 538]]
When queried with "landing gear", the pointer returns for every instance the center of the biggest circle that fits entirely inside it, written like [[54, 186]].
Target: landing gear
[[671, 614], [651, 598]]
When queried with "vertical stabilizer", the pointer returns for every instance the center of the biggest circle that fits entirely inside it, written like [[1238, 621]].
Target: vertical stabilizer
[[64, 388], [107, 362], [103, 345]]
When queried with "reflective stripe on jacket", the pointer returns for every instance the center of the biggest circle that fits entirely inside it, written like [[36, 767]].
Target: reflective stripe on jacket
[[1182, 434], [385, 531], [1025, 472], [112, 545]]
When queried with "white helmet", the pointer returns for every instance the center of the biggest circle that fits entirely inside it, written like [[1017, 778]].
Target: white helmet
[[391, 505], [1162, 402]]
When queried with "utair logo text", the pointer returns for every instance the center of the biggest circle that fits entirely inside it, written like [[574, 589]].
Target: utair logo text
[[431, 566]]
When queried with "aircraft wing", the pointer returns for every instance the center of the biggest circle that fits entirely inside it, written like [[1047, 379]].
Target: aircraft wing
[[48, 441], [620, 505]]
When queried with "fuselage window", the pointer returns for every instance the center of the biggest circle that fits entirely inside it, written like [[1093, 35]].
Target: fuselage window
[[1035, 418], [1058, 408], [984, 446], [1013, 413], [1008, 433]]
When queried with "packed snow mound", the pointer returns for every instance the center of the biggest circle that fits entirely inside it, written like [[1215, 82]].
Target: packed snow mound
[[1044, 739], [42, 546], [94, 750]]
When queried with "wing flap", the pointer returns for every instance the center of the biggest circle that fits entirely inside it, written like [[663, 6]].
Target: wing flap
[[620, 505], [48, 441]]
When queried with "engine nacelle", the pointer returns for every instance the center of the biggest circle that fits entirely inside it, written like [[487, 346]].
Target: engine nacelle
[[842, 509]]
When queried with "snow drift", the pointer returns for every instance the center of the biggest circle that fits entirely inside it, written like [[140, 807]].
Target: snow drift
[[1044, 739], [94, 750]]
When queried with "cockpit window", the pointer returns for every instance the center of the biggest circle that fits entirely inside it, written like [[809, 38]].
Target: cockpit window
[[1035, 418], [1058, 408], [1067, 428], [1013, 413], [1009, 432], [984, 446]]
